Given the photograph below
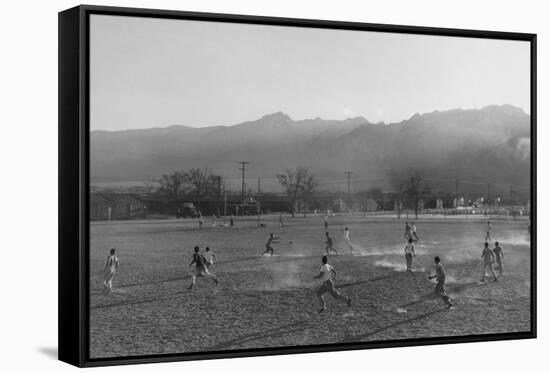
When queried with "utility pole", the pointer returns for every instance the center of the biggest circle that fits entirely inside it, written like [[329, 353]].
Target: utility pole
[[224, 202], [259, 185], [456, 193], [218, 194], [243, 187], [348, 174]]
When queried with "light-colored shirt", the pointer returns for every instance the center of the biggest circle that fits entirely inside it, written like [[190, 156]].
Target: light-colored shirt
[[409, 248], [346, 234], [326, 270], [413, 228], [112, 262], [209, 256]]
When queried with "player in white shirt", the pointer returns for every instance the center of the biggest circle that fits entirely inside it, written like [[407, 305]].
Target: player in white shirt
[[407, 234], [110, 270], [346, 236], [413, 232], [409, 254], [209, 257], [327, 274], [488, 232], [440, 289]]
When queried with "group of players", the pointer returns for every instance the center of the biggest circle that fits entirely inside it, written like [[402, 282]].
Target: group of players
[[201, 263]]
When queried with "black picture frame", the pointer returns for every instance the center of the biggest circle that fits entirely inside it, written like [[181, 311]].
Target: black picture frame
[[74, 182]]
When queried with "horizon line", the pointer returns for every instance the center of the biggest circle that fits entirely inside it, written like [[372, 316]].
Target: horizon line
[[281, 112]]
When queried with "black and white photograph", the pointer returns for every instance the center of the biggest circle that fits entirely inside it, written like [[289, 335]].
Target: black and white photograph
[[261, 186]]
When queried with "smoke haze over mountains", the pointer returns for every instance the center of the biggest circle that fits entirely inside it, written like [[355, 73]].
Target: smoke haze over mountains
[[491, 144]]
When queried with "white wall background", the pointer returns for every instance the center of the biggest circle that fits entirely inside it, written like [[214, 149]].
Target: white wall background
[[28, 183]]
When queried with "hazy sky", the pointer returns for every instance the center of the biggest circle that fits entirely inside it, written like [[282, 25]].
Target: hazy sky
[[149, 72]]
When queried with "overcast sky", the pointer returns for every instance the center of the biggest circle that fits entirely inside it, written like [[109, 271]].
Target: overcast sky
[[149, 72]]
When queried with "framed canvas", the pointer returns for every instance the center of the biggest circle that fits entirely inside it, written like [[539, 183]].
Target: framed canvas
[[233, 186]]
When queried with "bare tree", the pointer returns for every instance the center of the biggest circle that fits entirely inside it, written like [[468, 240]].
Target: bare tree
[[299, 185], [173, 184], [204, 184], [194, 183], [415, 192]]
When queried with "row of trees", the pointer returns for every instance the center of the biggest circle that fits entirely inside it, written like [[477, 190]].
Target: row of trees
[[299, 185], [194, 183]]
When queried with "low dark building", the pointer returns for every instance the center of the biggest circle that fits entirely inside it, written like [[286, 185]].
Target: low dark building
[[116, 206]]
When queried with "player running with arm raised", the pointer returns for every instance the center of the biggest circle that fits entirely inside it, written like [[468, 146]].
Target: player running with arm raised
[[272, 240], [327, 274]]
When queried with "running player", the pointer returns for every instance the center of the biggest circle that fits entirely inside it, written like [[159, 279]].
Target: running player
[[209, 257], [409, 253], [329, 243], [499, 255], [110, 270], [488, 260], [281, 223], [201, 221], [413, 232], [268, 248], [346, 236], [440, 286], [326, 222], [407, 234], [488, 232], [231, 221], [200, 269], [327, 274]]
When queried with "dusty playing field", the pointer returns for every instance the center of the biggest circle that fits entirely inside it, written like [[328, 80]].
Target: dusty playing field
[[270, 301]]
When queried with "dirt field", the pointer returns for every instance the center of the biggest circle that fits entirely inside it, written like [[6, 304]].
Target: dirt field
[[271, 302]]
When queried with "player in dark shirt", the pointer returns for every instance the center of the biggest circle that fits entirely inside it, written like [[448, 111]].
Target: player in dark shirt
[[199, 269], [328, 247], [272, 239], [488, 260], [499, 255]]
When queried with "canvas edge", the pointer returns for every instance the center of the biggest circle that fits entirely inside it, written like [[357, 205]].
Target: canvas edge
[[73, 165]]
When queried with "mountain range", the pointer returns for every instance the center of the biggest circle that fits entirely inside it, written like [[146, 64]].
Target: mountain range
[[491, 144]]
